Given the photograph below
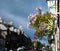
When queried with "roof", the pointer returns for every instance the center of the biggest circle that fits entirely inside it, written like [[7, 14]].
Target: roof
[[49, 0], [2, 27]]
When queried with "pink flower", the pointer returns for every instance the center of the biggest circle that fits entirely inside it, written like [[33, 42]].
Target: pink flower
[[55, 14], [32, 15], [33, 22], [35, 37], [28, 24], [35, 19]]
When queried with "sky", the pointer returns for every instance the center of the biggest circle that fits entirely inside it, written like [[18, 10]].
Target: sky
[[19, 10]]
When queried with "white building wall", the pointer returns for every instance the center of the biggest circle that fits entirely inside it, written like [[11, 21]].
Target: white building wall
[[52, 7]]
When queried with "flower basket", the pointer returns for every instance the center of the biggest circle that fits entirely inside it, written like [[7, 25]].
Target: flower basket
[[44, 24]]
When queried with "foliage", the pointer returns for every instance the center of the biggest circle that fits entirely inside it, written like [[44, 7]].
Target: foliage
[[37, 44], [43, 23]]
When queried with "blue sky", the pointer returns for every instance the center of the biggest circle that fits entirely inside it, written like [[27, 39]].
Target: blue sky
[[18, 11]]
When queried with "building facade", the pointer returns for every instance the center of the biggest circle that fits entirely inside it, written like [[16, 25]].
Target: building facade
[[12, 37], [54, 8]]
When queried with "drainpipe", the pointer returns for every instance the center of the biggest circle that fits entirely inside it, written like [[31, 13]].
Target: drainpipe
[[58, 11], [58, 17], [57, 24]]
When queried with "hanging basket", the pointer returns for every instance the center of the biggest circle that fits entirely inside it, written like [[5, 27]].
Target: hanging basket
[[44, 24]]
